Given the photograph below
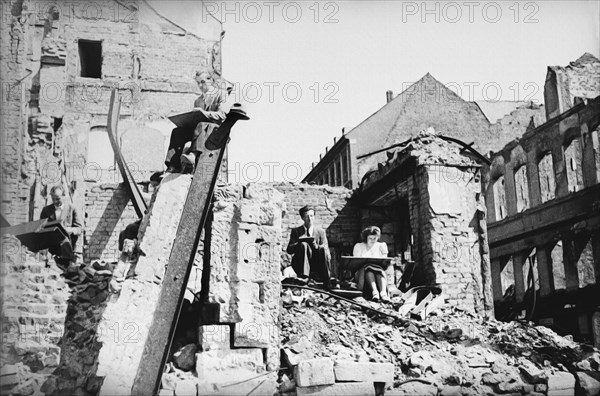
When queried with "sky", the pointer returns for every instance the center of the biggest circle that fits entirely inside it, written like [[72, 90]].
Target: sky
[[306, 69]]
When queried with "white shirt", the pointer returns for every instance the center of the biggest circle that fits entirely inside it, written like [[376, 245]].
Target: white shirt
[[58, 212], [378, 250], [310, 231]]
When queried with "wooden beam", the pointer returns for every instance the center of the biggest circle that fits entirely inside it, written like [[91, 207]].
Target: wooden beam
[[113, 120], [181, 260]]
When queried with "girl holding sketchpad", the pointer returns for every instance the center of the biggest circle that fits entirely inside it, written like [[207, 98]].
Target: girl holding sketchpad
[[371, 278]]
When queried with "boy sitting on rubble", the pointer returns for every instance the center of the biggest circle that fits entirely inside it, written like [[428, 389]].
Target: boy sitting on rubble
[[128, 245]]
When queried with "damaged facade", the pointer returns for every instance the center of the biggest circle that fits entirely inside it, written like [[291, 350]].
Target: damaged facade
[[432, 190], [426, 103], [432, 194], [542, 198], [58, 72]]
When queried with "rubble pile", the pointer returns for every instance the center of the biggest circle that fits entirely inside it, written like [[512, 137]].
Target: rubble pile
[[80, 345], [449, 352], [33, 308]]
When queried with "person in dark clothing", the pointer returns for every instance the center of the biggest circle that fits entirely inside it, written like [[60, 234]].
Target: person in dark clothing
[[64, 212], [130, 232], [310, 249]]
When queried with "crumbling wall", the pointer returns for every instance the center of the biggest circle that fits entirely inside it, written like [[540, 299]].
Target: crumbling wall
[[456, 256], [108, 210], [49, 107], [13, 110], [33, 306], [134, 306], [334, 212]]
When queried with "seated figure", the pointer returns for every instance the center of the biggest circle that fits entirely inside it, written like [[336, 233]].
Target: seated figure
[[64, 253], [211, 102], [372, 278], [310, 249]]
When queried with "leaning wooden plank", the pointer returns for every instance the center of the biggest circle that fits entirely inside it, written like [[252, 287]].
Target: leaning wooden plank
[[181, 260], [113, 120]]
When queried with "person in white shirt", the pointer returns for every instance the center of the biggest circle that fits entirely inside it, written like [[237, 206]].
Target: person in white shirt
[[212, 102], [371, 277]]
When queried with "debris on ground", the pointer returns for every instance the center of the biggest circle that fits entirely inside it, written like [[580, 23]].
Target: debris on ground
[[450, 351]]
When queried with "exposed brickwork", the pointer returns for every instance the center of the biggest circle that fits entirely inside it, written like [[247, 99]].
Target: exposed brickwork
[[442, 186], [33, 306], [108, 210], [118, 360], [47, 115], [333, 212]]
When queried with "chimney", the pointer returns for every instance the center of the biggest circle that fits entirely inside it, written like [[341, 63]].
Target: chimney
[[343, 131], [389, 95]]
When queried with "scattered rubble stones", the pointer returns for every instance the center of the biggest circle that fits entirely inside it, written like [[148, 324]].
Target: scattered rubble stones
[[363, 372], [455, 352], [339, 388], [185, 358], [589, 385], [313, 372]]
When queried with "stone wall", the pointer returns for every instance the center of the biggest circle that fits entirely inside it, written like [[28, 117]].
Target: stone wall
[[455, 235], [108, 210], [134, 306], [49, 109], [33, 306], [333, 212]]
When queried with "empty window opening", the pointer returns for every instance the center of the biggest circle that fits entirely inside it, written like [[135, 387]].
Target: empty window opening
[[596, 147], [558, 267], [345, 176], [331, 175], [90, 56], [573, 165], [530, 271], [521, 188], [507, 277], [338, 172], [546, 176], [585, 262], [500, 198]]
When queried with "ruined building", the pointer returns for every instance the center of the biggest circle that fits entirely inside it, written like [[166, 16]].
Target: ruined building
[[426, 103], [449, 214], [542, 197], [60, 62]]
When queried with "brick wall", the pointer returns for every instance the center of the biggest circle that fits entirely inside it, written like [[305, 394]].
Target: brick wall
[[454, 235], [47, 115], [33, 305], [333, 212], [13, 121], [108, 210]]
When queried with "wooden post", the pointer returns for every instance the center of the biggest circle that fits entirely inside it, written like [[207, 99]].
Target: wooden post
[[181, 260], [113, 120]]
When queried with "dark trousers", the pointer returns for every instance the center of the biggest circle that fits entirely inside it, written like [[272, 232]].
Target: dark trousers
[[180, 136], [307, 260], [64, 251]]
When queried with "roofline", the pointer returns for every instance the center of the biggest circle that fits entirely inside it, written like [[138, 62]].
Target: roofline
[[327, 154], [175, 24], [378, 110]]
